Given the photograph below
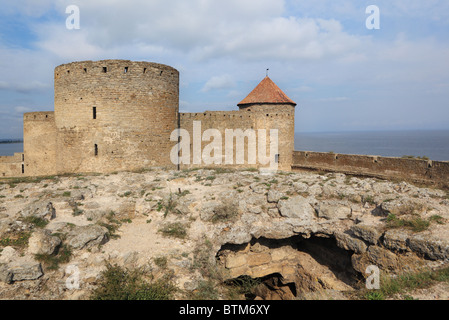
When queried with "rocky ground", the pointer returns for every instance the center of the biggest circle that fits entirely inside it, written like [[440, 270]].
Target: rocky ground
[[295, 235]]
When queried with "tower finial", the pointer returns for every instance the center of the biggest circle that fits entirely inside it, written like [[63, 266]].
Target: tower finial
[[267, 72]]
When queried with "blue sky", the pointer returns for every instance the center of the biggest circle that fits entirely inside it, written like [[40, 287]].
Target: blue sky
[[343, 76]]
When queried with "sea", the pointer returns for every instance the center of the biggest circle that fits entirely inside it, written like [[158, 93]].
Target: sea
[[433, 144], [8, 149]]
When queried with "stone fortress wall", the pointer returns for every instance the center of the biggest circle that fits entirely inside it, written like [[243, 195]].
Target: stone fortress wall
[[417, 170], [253, 120], [114, 115], [11, 166]]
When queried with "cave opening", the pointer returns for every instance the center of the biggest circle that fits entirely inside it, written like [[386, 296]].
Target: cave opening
[[288, 269]]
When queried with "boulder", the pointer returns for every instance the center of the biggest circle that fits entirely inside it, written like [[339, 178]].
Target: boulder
[[42, 242], [382, 258], [40, 209], [8, 254], [5, 274], [367, 233], [434, 249], [273, 195], [396, 240], [376, 256], [333, 210], [26, 271], [87, 236], [296, 207], [347, 242]]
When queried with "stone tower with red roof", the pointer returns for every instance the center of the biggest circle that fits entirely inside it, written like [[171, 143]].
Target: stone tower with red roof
[[266, 107], [275, 111]]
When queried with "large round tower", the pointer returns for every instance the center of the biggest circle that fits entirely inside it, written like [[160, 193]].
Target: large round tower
[[114, 115]]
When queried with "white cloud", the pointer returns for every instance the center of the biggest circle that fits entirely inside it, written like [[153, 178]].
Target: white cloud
[[334, 99], [219, 83], [22, 110]]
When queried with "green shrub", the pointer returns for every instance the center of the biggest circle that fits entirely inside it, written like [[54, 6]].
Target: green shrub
[[175, 229], [118, 283], [19, 240], [225, 212], [52, 261], [416, 224], [401, 284], [38, 222]]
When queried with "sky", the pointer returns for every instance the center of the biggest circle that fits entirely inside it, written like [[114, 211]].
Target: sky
[[342, 75]]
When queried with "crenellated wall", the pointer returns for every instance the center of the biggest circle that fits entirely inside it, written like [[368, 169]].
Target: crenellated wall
[[39, 143], [12, 166], [233, 120], [375, 166]]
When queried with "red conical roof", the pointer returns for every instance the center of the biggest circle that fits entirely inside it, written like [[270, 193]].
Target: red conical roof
[[266, 92]]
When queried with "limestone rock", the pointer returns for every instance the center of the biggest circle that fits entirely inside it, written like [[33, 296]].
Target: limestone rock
[[87, 236], [384, 259], [26, 271], [274, 195], [296, 207], [8, 254], [366, 232], [432, 248], [396, 240], [42, 242], [347, 242], [300, 186], [5, 274], [208, 209], [40, 209], [333, 210]]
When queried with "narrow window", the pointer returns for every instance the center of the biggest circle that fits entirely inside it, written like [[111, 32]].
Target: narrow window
[[96, 150], [23, 168], [68, 71], [23, 157], [94, 112], [276, 158], [144, 70], [126, 69], [161, 73], [85, 70], [105, 69]]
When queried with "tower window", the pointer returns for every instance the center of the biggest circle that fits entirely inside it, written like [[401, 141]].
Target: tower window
[[126, 69], [144, 70], [85, 70], [23, 168], [94, 112], [96, 149], [276, 158], [105, 69]]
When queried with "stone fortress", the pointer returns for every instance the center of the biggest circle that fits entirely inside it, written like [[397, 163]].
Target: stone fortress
[[117, 115]]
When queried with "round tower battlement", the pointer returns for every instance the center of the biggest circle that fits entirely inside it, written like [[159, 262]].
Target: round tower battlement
[[125, 87]]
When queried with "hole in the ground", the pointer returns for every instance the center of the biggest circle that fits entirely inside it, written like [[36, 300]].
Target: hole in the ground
[[288, 268]]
